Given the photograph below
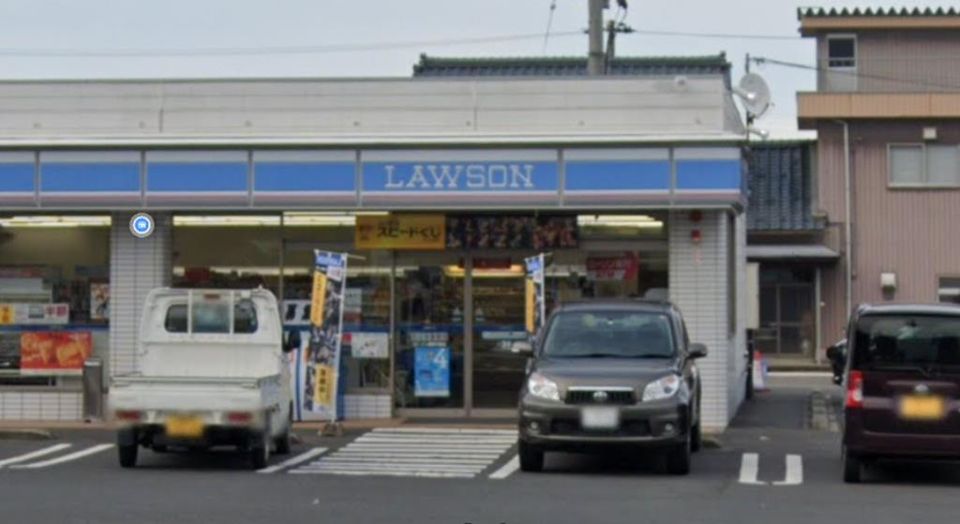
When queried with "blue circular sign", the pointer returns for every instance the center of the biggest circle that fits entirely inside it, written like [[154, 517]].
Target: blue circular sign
[[141, 225]]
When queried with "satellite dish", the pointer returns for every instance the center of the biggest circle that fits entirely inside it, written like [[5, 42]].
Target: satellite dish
[[755, 93]]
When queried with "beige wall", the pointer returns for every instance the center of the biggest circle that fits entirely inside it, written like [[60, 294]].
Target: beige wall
[[911, 232], [930, 60]]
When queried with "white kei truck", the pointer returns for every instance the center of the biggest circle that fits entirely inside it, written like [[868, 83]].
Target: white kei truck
[[213, 371]]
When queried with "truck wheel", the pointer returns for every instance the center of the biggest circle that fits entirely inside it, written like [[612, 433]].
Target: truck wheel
[[128, 455], [282, 443], [531, 457], [260, 453], [678, 459]]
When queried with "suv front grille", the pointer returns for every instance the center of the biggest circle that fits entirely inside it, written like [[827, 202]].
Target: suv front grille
[[586, 396]]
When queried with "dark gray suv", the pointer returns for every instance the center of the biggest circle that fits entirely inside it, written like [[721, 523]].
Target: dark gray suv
[[606, 373]]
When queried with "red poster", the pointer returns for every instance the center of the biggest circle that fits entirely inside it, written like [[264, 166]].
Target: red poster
[[54, 352], [624, 267]]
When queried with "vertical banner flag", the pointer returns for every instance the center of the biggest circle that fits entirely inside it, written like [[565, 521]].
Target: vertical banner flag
[[326, 326], [535, 300]]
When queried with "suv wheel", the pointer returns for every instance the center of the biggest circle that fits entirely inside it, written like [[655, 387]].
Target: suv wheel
[[531, 457], [696, 438], [852, 467], [678, 458]]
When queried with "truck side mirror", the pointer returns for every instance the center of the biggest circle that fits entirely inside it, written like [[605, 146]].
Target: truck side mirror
[[293, 341]]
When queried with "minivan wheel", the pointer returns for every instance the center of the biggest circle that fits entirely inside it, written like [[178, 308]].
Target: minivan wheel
[[127, 455], [531, 457], [696, 438], [678, 458], [852, 467]]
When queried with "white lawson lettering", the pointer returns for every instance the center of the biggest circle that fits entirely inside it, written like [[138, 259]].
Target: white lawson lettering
[[454, 177]]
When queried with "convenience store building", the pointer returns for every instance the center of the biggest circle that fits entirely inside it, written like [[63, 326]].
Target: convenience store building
[[634, 185]]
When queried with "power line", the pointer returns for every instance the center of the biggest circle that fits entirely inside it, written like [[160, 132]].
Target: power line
[[731, 36], [223, 51], [760, 60], [546, 36]]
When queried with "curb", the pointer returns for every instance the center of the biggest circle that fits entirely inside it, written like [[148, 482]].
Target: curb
[[711, 442], [25, 434]]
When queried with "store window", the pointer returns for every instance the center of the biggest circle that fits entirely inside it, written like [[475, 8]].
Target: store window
[[54, 297]]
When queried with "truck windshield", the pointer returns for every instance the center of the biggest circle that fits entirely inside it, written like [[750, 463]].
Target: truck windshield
[[616, 334], [907, 341], [212, 316]]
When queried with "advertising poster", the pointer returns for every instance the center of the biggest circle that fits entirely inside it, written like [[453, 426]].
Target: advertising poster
[[34, 314], [369, 345], [625, 267], [326, 319], [54, 352], [534, 296], [99, 301], [511, 232], [431, 372], [422, 232]]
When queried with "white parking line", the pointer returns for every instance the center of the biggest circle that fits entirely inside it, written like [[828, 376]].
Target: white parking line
[[303, 457], [507, 469], [749, 469], [33, 454], [66, 458], [794, 476]]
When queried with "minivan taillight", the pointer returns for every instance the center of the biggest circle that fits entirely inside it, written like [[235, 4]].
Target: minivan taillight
[[855, 390]]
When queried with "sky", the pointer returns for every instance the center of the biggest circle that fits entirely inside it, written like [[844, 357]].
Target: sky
[[91, 39]]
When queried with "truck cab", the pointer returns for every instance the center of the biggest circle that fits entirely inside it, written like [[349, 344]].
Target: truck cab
[[211, 370]]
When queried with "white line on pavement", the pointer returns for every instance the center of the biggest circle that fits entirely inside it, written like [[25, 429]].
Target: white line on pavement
[[507, 469], [402, 460], [420, 453], [357, 466], [794, 476], [34, 454], [432, 474], [66, 458], [749, 469], [462, 431], [303, 457]]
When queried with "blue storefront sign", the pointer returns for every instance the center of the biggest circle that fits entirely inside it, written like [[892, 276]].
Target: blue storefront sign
[[432, 372]]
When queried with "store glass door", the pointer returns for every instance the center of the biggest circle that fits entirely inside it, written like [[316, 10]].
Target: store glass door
[[430, 343], [498, 323]]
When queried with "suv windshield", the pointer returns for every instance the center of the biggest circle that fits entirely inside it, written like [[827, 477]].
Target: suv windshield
[[898, 341], [621, 334]]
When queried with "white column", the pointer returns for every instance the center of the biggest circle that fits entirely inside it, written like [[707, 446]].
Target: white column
[[137, 265], [698, 286]]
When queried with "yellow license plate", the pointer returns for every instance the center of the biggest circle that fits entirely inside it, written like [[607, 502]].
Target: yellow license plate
[[184, 427], [922, 408]]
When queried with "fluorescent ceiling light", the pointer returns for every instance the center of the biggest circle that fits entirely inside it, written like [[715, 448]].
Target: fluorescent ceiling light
[[226, 220], [55, 221], [635, 221]]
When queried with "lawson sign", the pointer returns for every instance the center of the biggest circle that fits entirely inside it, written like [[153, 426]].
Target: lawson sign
[[444, 177]]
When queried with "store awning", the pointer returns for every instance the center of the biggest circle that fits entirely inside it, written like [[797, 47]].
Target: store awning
[[814, 252]]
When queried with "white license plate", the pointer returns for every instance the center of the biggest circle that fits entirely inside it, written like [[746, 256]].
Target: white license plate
[[600, 418]]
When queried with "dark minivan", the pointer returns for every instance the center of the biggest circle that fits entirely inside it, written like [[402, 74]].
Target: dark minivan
[[902, 380], [612, 373]]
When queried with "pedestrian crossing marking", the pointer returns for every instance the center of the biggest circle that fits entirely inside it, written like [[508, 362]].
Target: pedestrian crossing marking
[[416, 452], [303, 457], [750, 470], [76, 455]]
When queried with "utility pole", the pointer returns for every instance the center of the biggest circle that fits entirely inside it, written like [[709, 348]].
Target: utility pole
[[596, 57]]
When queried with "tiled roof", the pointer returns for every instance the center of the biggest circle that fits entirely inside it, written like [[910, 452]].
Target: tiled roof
[[822, 12], [780, 184], [569, 66]]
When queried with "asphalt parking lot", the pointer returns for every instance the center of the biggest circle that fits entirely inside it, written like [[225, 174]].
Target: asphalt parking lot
[[772, 465]]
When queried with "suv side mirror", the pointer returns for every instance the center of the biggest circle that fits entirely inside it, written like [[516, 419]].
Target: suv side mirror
[[293, 341], [697, 350]]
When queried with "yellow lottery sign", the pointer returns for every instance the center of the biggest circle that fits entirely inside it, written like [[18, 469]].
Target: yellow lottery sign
[[318, 299], [323, 386]]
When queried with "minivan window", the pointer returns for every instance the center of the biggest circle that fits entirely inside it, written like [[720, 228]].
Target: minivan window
[[213, 317], [617, 334], [914, 341]]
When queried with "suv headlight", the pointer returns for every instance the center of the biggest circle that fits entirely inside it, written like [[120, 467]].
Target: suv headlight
[[542, 387], [662, 388]]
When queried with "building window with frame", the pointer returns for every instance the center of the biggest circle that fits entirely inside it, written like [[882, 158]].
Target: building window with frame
[[949, 290], [841, 52], [921, 165]]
